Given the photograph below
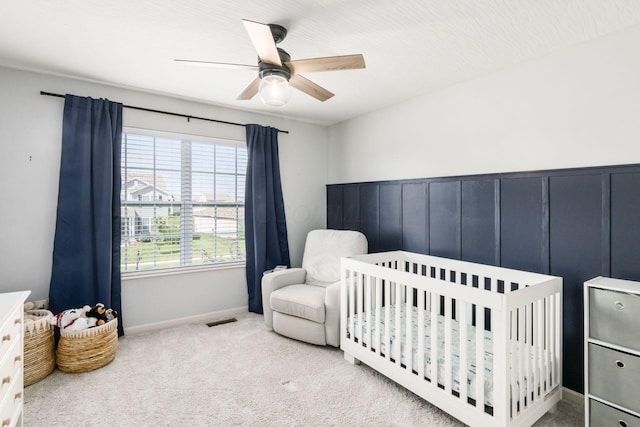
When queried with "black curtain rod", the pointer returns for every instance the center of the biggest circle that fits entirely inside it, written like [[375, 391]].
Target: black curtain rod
[[186, 116]]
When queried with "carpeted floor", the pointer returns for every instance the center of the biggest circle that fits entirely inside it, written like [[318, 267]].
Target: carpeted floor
[[233, 374]]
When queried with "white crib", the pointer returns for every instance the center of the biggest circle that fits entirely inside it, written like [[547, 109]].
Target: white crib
[[500, 330]]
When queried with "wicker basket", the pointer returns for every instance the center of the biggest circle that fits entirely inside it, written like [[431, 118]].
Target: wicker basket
[[39, 356], [88, 349]]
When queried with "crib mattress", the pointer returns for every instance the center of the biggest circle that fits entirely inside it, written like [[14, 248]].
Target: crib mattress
[[455, 348]]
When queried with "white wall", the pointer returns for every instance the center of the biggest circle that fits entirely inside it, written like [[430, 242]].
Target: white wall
[[30, 143], [576, 107]]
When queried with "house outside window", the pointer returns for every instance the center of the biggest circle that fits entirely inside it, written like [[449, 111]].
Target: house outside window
[[182, 201]]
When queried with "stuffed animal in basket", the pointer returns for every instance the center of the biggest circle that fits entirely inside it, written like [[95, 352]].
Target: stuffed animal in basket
[[111, 314], [98, 312], [74, 319], [102, 314]]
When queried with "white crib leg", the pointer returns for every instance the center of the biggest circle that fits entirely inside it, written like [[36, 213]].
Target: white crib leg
[[349, 358], [553, 409]]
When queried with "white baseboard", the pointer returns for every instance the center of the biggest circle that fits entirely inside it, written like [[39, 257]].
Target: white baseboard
[[572, 396], [208, 317]]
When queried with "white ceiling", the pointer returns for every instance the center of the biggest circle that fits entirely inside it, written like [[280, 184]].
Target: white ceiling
[[410, 46]]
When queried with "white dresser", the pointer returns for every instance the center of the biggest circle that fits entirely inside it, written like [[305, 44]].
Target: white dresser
[[11, 360], [612, 352]]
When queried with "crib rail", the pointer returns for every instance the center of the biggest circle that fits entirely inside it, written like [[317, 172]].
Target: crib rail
[[447, 329]]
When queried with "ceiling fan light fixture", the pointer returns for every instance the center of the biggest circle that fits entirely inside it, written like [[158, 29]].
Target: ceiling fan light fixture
[[274, 89]]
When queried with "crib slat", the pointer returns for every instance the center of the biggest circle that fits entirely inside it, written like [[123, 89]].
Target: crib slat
[[435, 310], [552, 348], [464, 369], [538, 346], [344, 310], [420, 351], [527, 354], [521, 347], [408, 348], [378, 303], [558, 345], [359, 297], [513, 395], [387, 320], [368, 307], [447, 343], [547, 343], [351, 303], [480, 350], [398, 326]]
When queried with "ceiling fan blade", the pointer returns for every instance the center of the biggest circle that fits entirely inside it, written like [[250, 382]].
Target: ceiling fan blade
[[309, 87], [216, 64], [262, 39], [331, 63], [250, 90]]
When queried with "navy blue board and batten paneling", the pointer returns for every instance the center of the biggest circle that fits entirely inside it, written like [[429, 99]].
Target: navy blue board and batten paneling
[[390, 217], [444, 219], [351, 207], [521, 224], [415, 218], [573, 223], [625, 225], [334, 207], [480, 233], [575, 251], [370, 215]]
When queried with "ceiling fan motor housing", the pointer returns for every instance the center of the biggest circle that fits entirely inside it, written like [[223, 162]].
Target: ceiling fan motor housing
[[278, 31], [266, 69]]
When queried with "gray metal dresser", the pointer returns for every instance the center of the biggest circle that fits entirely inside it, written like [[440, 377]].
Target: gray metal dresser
[[612, 352]]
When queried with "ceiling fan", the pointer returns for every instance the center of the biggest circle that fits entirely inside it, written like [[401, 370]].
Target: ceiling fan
[[277, 72]]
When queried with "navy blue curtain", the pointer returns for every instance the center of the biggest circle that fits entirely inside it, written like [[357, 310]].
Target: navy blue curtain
[[265, 224], [86, 251]]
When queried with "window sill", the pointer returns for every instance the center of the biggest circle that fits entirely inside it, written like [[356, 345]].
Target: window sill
[[133, 275]]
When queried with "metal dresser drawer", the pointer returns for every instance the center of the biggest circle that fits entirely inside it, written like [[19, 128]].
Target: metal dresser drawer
[[605, 415], [613, 376], [614, 317]]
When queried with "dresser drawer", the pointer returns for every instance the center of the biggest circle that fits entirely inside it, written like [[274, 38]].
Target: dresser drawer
[[605, 415], [613, 376], [614, 317], [11, 403], [10, 368], [11, 332]]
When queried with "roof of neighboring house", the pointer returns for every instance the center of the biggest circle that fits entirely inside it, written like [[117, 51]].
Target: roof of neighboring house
[[143, 183]]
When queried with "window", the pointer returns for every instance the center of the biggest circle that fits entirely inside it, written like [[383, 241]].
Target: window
[[182, 201]]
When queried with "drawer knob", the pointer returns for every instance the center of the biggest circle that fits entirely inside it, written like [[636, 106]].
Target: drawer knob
[[16, 359], [17, 321], [619, 305], [6, 337], [18, 395], [6, 422], [6, 380], [622, 423], [619, 363]]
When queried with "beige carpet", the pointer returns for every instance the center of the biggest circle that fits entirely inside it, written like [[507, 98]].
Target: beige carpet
[[234, 374]]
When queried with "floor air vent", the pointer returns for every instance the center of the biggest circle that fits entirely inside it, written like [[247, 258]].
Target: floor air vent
[[222, 322]]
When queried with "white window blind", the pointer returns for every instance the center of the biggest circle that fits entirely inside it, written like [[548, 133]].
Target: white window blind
[[182, 201]]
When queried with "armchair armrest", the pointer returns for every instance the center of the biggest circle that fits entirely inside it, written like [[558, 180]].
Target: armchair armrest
[[274, 281]]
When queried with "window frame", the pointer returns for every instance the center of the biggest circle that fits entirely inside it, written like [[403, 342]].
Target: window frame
[[239, 203]]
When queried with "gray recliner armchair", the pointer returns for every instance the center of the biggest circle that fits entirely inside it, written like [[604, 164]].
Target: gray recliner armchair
[[304, 303]]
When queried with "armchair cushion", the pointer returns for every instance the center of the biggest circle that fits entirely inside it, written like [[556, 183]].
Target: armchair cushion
[[323, 250], [305, 301]]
